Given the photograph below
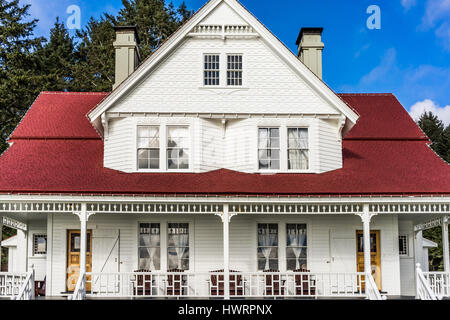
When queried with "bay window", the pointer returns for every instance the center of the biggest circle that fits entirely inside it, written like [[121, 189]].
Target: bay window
[[296, 247], [149, 246], [178, 246], [267, 251]]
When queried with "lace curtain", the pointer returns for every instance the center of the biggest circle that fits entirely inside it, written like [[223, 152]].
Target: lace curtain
[[296, 238]]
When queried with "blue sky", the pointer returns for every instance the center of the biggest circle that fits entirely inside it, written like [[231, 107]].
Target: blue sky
[[409, 55]]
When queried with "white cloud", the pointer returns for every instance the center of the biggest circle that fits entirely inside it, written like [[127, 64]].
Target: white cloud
[[443, 32], [420, 107], [379, 72], [435, 11], [408, 4]]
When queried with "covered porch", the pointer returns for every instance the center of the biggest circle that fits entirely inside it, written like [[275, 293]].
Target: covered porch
[[232, 248]]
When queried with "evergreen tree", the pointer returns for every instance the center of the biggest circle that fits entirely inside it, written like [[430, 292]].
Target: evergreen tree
[[446, 144], [154, 20], [433, 128], [94, 56], [57, 59], [19, 82]]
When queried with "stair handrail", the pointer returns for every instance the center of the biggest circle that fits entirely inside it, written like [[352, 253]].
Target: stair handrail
[[423, 289], [26, 291], [80, 289], [372, 291]]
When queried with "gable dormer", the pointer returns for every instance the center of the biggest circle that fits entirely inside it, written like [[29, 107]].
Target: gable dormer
[[223, 92]]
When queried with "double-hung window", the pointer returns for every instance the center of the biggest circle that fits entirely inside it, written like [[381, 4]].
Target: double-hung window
[[148, 147], [269, 148], [296, 247], [177, 148], [178, 246], [234, 70], [298, 150], [149, 246], [211, 72], [267, 246]]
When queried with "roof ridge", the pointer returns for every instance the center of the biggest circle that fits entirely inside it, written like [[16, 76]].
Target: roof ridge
[[366, 94], [74, 93]]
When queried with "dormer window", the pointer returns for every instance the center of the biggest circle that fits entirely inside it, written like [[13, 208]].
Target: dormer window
[[211, 70], [234, 70], [148, 147]]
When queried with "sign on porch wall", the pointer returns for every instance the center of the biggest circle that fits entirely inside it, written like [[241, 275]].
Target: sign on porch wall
[[9, 222]]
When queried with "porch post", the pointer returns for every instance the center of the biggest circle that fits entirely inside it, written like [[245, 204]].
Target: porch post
[[1, 239], [445, 246], [226, 251], [83, 229], [366, 216]]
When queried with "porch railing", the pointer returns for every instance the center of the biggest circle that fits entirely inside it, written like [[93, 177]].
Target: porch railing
[[439, 283], [372, 289], [80, 289], [211, 285], [26, 291], [428, 287], [10, 284]]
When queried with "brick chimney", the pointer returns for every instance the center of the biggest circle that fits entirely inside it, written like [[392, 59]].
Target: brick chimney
[[127, 52], [310, 47]]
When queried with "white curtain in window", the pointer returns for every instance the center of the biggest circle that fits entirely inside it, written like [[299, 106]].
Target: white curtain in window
[[267, 241], [298, 145], [152, 251], [182, 241], [297, 238]]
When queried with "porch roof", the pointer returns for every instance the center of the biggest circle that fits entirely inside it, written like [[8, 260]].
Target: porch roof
[[56, 150]]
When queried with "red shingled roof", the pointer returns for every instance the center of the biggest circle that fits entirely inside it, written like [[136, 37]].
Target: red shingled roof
[[384, 154]]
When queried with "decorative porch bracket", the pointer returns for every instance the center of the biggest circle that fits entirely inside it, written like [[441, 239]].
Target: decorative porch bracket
[[366, 217], [428, 225]]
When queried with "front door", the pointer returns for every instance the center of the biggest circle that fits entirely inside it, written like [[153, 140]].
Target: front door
[[73, 258], [375, 257]]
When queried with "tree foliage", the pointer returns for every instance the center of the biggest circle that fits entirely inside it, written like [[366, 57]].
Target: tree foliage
[[440, 143], [29, 64]]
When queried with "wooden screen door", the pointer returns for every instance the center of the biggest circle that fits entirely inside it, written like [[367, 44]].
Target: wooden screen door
[[73, 258], [375, 256]]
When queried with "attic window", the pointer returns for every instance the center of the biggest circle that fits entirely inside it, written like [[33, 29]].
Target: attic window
[[234, 70], [211, 70]]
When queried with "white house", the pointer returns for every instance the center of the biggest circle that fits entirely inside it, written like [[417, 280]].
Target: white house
[[222, 166]]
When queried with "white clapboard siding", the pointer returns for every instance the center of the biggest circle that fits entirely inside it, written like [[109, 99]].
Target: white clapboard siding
[[330, 147], [119, 146], [211, 142], [223, 14], [240, 145], [407, 262], [270, 86], [206, 232]]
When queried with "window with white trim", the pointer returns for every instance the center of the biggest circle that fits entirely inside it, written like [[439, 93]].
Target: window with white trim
[[178, 246], [39, 244], [403, 245], [148, 147], [296, 247], [234, 70], [269, 148], [298, 150], [149, 254], [267, 252], [177, 147], [211, 72]]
